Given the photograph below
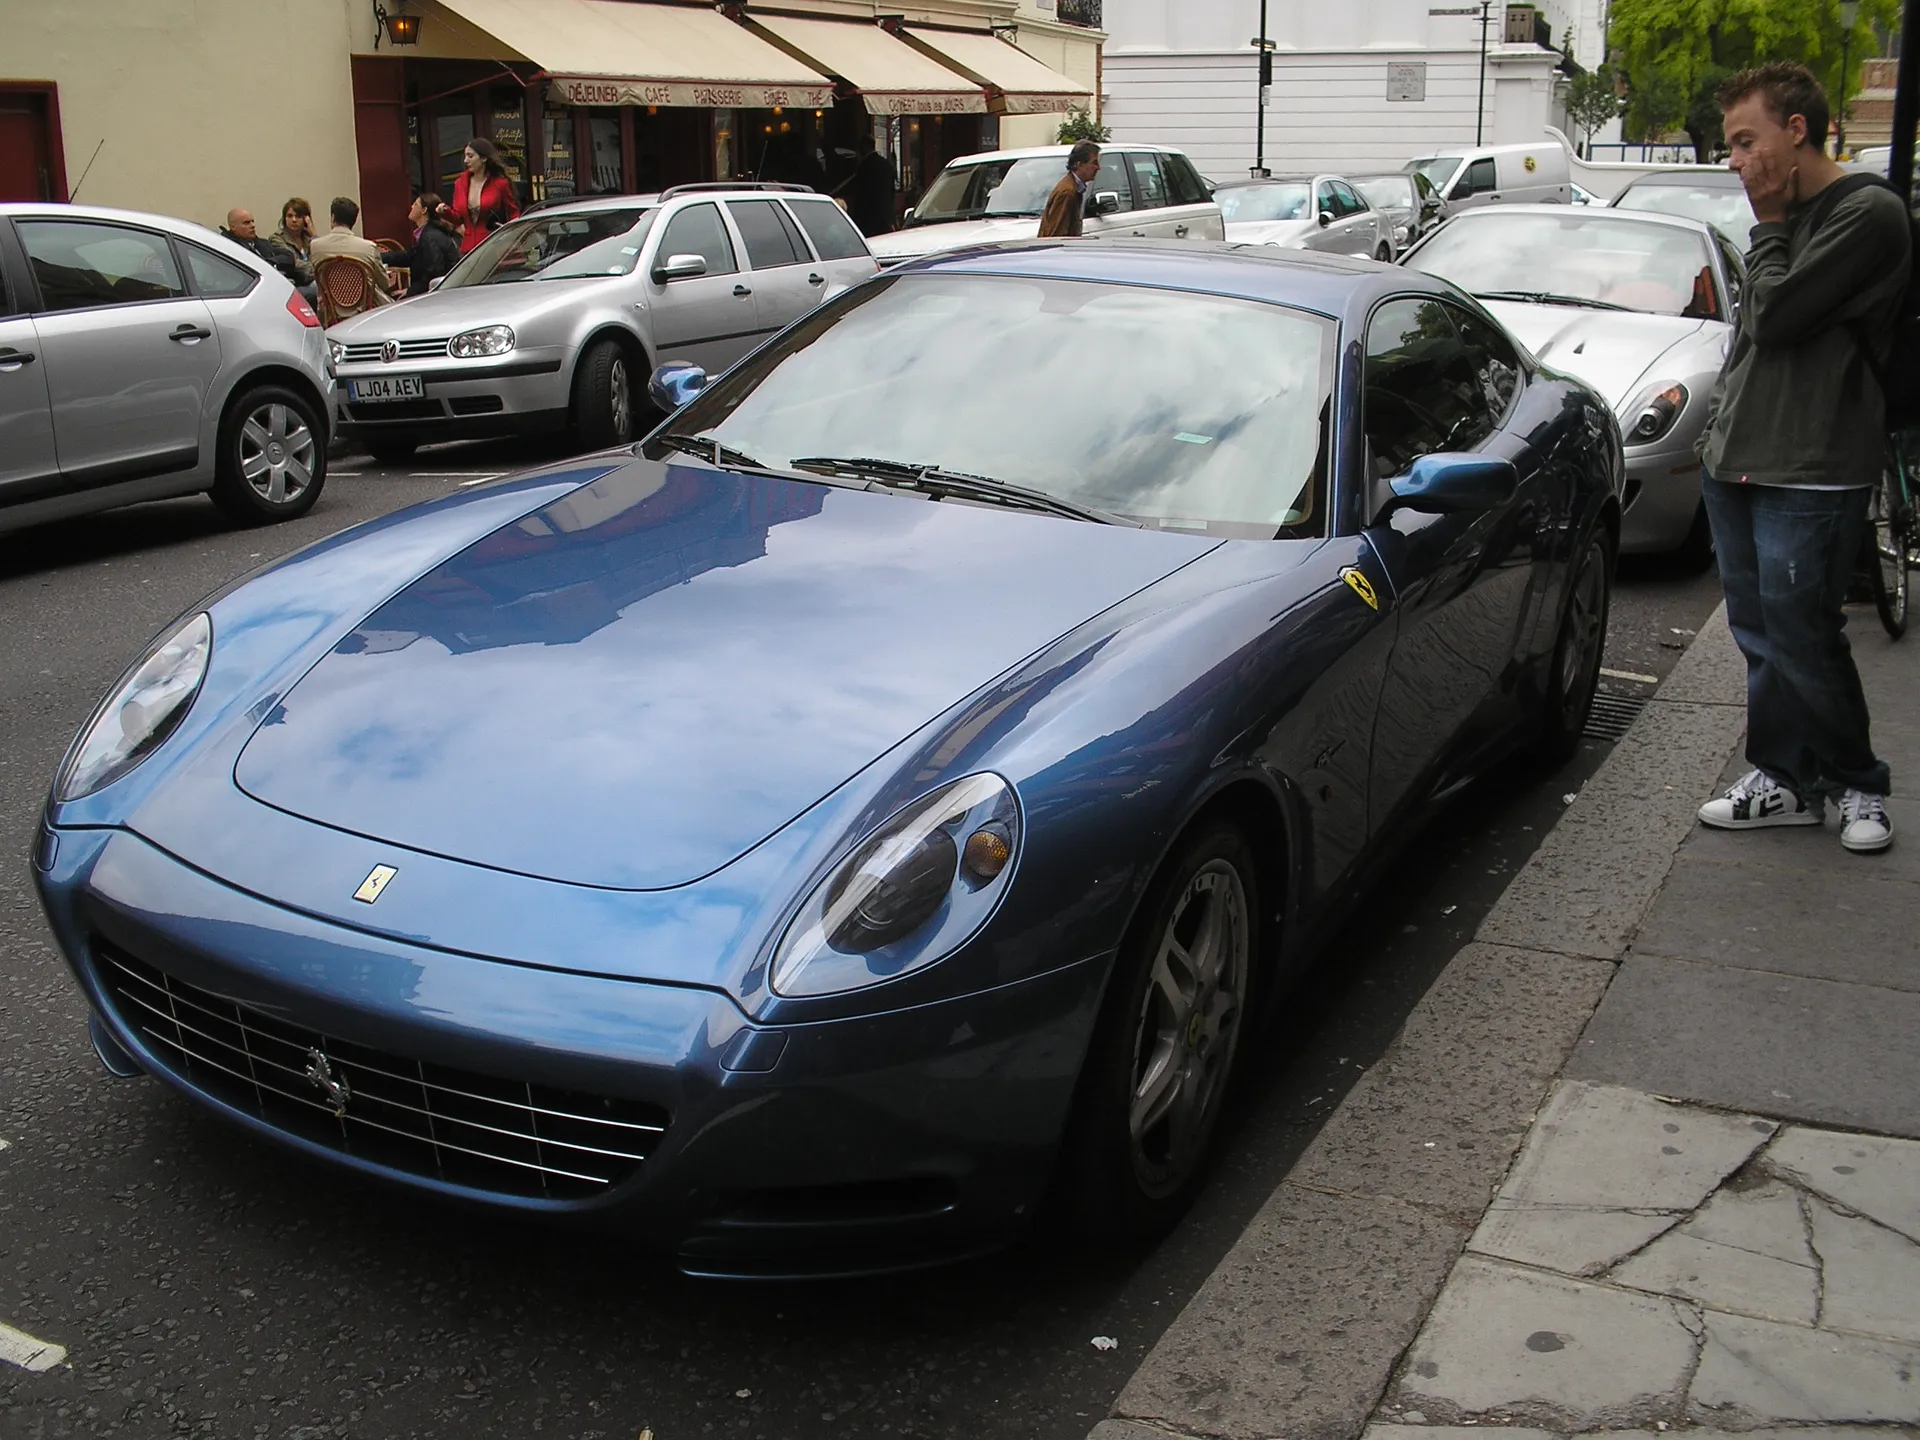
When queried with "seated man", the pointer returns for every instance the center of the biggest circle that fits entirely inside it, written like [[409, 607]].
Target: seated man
[[243, 232], [341, 240]]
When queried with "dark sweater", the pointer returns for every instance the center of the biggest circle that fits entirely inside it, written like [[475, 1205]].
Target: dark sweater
[[1797, 403]]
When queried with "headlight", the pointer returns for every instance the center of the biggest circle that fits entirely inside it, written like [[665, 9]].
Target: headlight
[[911, 893], [1400, 234], [337, 351], [1653, 414], [141, 713], [487, 340]]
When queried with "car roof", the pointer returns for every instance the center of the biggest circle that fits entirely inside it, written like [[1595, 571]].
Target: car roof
[[1717, 177], [1276, 180], [1603, 214], [1057, 152], [1332, 285], [106, 212]]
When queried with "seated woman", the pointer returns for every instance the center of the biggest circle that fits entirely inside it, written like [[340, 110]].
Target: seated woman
[[435, 249]]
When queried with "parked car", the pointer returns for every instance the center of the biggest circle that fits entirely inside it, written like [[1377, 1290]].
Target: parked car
[[1141, 190], [1408, 201], [143, 357], [557, 319], [951, 783], [1305, 212], [1638, 304], [1498, 175], [1712, 193]]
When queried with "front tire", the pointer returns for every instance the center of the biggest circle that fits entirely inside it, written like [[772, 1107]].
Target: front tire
[[272, 461], [1384, 254], [1886, 560], [1576, 653], [1157, 1075], [604, 399]]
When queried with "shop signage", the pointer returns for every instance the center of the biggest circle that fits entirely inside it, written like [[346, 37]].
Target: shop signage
[[971, 102], [701, 94], [1040, 104]]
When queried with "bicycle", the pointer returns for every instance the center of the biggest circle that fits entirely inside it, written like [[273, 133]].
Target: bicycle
[[1892, 545]]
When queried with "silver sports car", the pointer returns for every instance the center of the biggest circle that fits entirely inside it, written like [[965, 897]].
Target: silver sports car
[[1638, 305]]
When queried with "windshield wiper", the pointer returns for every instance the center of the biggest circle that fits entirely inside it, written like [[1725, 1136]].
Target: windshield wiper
[[1548, 297], [932, 481], [709, 449]]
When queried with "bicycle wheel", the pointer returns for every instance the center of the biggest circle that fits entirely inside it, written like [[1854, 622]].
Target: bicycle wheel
[[1888, 523]]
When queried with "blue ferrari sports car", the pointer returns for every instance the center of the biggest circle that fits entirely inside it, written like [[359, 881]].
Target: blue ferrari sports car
[[891, 794]]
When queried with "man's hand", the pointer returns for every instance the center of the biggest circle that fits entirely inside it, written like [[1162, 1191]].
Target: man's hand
[[1773, 187]]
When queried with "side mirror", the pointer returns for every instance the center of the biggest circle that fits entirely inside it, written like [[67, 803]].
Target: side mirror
[[434, 283], [677, 381], [909, 214], [680, 267], [1106, 202], [1326, 217], [1453, 484]]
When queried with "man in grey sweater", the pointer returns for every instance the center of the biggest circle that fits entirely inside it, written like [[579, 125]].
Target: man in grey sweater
[[1794, 448]]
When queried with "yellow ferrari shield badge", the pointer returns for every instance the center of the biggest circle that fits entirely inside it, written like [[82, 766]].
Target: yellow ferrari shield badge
[[375, 882], [1361, 586]]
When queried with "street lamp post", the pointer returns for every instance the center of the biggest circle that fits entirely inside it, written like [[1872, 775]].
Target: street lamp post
[[1265, 46], [1480, 114], [1849, 14]]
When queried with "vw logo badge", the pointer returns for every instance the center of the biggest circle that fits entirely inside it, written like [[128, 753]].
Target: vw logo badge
[[389, 350]]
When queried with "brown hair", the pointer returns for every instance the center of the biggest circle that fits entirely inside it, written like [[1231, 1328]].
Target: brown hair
[[298, 207], [1787, 88], [489, 155], [430, 202]]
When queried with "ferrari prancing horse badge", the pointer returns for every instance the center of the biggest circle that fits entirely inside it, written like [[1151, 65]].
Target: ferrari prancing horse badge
[[1361, 586]]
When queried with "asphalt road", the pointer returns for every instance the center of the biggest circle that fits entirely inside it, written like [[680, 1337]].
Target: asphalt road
[[205, 1284]]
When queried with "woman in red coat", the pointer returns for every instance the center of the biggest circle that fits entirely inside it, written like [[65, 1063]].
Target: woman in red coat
[[483, 198]]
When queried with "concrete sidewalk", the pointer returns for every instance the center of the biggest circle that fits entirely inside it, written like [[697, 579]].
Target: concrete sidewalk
[[1645, 1157]]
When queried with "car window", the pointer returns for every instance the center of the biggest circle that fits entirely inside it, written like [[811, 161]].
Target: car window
[[1496, 364], [1478, 180], [556, 245], [1736, 265], [1113, 179], [1184, 185], [1149, 183], [1387, 191], [84, 264], [1350, 203], [1323, 200], [833, 235], [697, 230], [1424, 186], [215, 276], [1576, 253], [1422, 395], [769, 245]]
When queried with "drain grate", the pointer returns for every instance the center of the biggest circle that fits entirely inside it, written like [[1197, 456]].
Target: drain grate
[[1612, 714]]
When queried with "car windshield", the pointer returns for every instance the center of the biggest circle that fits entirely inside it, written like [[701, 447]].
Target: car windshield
[[1178, 410], [1387, 192], [1242, 204], [1724, 207], [556, 247], [1438, 169], [1598, 256], [992, 187]]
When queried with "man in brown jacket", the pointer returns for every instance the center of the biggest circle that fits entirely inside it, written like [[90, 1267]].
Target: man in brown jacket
[[1067, 205]]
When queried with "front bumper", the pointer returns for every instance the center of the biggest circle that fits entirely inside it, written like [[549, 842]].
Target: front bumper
[[523, 390], [843, 1147], [1663, 495]]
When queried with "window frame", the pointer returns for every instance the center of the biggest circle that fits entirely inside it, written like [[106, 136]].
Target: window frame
[[661, 250], [1135, 164], [1375, 488], [782, 222], [1348, 196], [184, 252], [800, 207], [1124, 162], [36, 296]]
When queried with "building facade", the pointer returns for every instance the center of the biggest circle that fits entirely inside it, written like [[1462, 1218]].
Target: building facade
[[189, 107], [1361, 87]]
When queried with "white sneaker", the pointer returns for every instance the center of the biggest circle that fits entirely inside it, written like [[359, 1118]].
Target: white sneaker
[[1755, 800], [1864, 826]]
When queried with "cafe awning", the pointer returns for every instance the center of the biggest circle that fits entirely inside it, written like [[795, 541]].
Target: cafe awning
[[611, 52], [1021, 84], [893, 78]]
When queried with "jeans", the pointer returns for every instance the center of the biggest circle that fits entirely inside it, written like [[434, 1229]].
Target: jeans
[[1786, 560]]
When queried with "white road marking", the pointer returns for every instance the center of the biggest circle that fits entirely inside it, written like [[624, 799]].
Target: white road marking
[[451, 474], [1630, 675], [19, 1348], [468, 484]]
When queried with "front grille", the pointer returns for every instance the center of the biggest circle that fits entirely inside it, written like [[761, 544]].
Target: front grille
[[478, 1131], [396, 410], [368, 352], [476, 404]]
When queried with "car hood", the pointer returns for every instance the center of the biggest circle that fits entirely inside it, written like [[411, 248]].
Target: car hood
[[440, 313], [1271, 232], [641, 681], [1610, 350], [918, 240]]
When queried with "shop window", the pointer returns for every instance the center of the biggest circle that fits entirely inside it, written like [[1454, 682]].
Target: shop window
[[508, 123], [603, 139], [723, 147], [452, 128], [560, 179]]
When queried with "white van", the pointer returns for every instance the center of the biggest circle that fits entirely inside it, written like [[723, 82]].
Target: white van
[[1533, 174]]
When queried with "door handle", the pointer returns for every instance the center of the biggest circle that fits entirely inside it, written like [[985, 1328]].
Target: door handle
[[1180, 231], [816, 279], [190, 334], [741, 290], [12, 359]]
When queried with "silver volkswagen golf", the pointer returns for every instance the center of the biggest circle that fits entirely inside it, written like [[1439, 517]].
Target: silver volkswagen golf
[[557, 319], [143, 357]]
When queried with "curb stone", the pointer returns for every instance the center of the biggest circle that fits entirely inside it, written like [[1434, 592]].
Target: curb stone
[[1297, 1331]]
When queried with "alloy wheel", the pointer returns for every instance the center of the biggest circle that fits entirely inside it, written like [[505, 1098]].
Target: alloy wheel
[[620, 400], [276, 453], [1585, 634], [1189, 1026], [1889, 538]]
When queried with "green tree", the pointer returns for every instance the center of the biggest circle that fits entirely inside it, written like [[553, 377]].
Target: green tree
[[1080, 125], [1592, 101], [1674, 53]]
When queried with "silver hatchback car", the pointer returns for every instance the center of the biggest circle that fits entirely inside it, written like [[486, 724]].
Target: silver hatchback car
[[143, 357], [557, 319]]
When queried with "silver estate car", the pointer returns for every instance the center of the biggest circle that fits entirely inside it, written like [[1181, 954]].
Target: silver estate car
[[1306, 212], [557, 319], [143, 357]]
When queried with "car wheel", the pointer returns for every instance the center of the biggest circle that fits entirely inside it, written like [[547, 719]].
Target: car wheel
[[390, 449], [1577, 652], [604, 398], [1158, 1071], [1384, 254], [273, 456], [1696, 551]]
